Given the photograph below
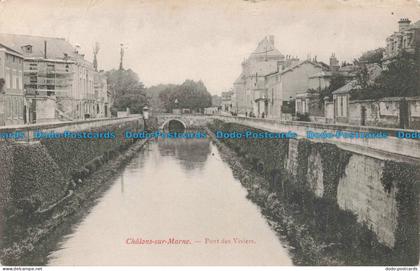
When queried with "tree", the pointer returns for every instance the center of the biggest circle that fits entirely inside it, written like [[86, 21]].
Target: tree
[[134, 101], [372, 56], [153, 94], [337, 81], [401, 78], [193, 95], [168, 97], [127, 91], [190, 94]]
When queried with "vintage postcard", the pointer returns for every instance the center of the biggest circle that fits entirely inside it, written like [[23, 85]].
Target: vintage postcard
[[216, 133]]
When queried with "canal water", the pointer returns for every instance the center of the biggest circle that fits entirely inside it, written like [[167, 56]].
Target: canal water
[[176, 203]]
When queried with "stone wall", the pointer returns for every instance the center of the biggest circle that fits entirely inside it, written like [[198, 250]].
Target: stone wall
[[361, 191], [414, 109], [6, 169], [45, 110], [329, 111], [382, 198], [384, 112], [37, 174]]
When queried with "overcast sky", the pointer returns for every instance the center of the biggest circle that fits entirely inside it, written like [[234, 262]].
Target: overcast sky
[[170, 41]]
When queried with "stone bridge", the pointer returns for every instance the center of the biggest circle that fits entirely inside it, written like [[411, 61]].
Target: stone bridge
[[186, 120], [392, 147]]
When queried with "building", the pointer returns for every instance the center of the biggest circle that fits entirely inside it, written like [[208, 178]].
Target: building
[[102, 95], [211, 110], [298, 82], [226, 102], [406, 39], [341, 97], [239, 104], [12, 104], [308, 102], [216, 101], [59, 82], [249, 91]]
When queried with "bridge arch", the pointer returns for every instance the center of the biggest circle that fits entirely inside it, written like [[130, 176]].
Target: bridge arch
[[174, 125]]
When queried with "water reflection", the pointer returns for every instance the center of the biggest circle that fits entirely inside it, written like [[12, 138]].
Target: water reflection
[[192, 153], [173, 189]]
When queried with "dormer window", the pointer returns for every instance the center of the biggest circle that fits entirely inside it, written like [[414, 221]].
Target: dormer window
[[27, 49]]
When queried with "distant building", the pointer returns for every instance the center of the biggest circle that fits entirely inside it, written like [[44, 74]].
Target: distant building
[[59, 83], [341, 96], [227, 101], [250, 94], [216, 100], [307, 102], [407, 39], [102, 95], [298, 79], [12, 104], [211, 110]]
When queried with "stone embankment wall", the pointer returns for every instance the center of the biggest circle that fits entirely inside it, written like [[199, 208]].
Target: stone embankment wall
[[37, 174], [382, 195]]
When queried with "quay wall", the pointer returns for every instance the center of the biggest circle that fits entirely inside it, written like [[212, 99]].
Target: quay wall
[[382, 194], [35, 174]]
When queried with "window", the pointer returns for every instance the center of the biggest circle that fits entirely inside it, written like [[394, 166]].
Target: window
[[27, 49], [341, 106]]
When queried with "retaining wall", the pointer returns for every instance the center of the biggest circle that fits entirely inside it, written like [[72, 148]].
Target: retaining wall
[[36, 174], [383, 195]]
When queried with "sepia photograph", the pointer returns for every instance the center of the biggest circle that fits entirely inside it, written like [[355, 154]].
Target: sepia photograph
[[207, 133]]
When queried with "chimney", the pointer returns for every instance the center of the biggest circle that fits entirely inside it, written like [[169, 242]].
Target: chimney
[[77, 48], [334, 64], [403, 23], [45, 49]]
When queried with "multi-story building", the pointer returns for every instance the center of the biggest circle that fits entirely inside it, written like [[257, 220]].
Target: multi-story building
[[249, 90], [12, 105], [270, 83], [227, 101], [102, 95], [407, 39], [59, 82], [316, 79], [298, 79]]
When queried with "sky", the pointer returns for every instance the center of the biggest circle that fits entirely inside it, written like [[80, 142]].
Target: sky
[[173, 40]]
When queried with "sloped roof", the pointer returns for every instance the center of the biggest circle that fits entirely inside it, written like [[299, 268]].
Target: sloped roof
[[317, 64], [9, 49], [347, 87], [266, 47], [415, 25], [56, 47], [321, 74]]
